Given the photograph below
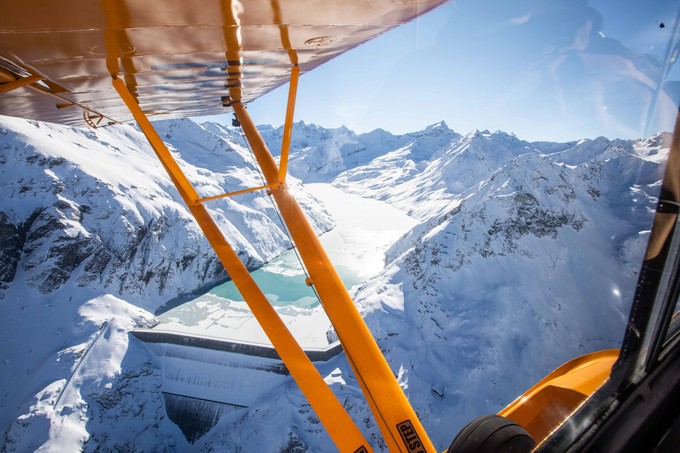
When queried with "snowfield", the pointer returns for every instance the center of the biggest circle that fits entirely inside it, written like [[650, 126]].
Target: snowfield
[[525, 255]]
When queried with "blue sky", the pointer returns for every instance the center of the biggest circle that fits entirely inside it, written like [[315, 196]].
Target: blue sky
[[542, 69]]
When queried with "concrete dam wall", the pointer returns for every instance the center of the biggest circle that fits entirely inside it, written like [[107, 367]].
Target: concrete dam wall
[[206, 378]]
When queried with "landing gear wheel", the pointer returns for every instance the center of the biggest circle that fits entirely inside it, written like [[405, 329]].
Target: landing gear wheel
[[492, 434]]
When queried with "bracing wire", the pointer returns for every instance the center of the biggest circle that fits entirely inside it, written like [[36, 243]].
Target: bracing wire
[[278, 213]]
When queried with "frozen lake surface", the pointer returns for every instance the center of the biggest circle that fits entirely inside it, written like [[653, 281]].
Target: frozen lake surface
[[365, 229]]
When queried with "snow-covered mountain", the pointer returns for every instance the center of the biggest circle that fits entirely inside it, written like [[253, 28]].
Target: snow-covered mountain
[[526, 256], [89, 214], [96, 208], [319, 155], [531, 266]]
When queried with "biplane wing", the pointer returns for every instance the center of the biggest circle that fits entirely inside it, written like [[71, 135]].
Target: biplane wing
[[178, 58]]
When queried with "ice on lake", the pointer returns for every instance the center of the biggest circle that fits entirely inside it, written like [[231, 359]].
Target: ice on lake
[[365, 230]]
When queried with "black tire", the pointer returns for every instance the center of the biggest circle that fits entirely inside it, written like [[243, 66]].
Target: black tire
[[492, 434]]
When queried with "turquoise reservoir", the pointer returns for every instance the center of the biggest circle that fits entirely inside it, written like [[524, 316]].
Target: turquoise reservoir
[[283, 282], [365, 230]]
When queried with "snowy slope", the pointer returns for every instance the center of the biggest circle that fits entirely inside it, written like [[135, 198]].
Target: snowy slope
[[96, 207], [101, 394], [534, 265], [89, 213], [526, 256]]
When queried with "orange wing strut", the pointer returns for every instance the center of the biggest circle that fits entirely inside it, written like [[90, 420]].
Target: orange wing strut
[[288, 125], [396, 418], [335, 419], [5, 87]]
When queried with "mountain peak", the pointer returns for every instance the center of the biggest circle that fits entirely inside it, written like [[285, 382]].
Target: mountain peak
[[440, 125], [478, 133], [438, 131]]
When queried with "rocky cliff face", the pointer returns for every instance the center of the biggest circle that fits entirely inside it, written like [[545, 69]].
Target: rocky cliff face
[[533, 265], [95, 208], [86, 214]]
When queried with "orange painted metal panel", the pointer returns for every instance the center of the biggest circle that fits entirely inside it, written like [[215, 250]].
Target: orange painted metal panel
[[544, 406]]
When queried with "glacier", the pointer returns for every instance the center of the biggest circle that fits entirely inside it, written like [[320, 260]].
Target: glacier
[[525, 255]]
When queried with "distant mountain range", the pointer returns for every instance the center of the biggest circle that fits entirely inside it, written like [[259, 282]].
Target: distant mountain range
[[526, 256]]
